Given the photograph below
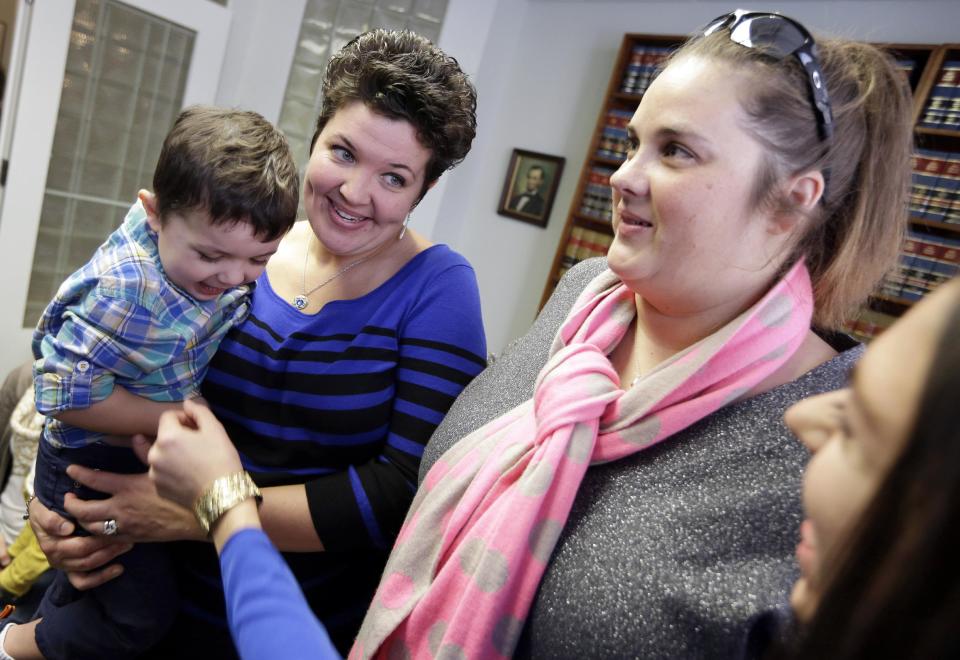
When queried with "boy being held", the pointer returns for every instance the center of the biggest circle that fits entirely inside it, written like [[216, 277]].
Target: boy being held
[[139, 321]]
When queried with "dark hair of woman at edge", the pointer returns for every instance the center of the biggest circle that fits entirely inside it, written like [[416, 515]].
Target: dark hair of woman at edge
[[895, 590]]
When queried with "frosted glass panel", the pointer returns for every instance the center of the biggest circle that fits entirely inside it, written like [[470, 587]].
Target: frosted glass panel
[[424, 27], [389, 19], [353, 18], [402, 6], [327, 25], [430, 10], [122, 88]]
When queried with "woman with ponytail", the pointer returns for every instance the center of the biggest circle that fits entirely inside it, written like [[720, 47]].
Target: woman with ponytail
[[620, 481]]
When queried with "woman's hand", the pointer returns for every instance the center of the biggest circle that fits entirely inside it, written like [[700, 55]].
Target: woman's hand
[[141, 514], [82, 558], [192, 450]]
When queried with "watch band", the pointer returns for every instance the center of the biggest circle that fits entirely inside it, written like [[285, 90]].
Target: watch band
[[222, 495]]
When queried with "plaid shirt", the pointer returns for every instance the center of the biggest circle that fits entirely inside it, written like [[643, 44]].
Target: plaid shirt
[[119, 321]]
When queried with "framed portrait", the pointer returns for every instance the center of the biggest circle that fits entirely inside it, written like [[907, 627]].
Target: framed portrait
[[530, 186]]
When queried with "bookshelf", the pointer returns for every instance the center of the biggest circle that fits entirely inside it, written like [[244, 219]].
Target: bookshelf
[[931, 253]]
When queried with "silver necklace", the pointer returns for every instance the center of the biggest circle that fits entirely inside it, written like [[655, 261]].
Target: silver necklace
[[301, 301]]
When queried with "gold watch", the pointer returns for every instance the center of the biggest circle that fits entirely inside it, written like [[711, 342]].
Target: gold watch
[[222, 495]]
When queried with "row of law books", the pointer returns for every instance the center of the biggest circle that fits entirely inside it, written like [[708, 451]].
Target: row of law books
[[614, 141], [597, 200], [642, 67], [935, 186], [926, 261], [583, 244], [868, 324], [943, 108], [906, 66]]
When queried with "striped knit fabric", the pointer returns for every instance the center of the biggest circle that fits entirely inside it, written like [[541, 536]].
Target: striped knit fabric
[[345, 401]]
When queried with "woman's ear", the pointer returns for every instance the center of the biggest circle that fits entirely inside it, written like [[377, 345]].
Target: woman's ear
[[803, 192]]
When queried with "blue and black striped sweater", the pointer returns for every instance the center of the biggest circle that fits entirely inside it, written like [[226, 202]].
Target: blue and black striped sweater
[[343, 401]]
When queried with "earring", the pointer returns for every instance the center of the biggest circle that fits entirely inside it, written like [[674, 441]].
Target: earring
[[404, 230]]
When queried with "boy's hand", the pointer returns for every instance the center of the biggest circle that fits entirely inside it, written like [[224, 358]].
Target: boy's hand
[[4, 555]]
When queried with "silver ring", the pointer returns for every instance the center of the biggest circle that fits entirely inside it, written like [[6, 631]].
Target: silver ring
[[110, 527]]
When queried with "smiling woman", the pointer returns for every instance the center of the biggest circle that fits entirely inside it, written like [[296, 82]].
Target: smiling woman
[[366, 172], [684, 196], [361, 334]]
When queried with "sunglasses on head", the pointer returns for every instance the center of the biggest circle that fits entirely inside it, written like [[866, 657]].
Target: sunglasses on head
[[781, 37]]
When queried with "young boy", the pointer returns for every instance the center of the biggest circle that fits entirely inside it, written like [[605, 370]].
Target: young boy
[[142, 319]]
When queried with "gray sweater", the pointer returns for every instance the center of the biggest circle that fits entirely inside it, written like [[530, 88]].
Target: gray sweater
[[673, 551]]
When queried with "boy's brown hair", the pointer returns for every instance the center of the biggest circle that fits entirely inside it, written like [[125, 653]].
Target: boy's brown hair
[[233, 164]]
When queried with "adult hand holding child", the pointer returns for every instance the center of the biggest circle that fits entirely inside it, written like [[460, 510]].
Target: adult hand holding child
[[192, 455], [192, 450]]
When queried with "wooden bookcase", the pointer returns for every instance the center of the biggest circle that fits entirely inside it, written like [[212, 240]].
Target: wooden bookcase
[[931, 253], [935, 209]]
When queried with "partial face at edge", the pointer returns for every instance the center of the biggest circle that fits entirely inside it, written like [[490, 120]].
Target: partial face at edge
[[856, 435]]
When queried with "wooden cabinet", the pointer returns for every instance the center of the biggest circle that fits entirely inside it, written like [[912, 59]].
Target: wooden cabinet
[[930, 254]]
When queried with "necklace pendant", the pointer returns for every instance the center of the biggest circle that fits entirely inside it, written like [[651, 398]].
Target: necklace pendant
[[300, 302]]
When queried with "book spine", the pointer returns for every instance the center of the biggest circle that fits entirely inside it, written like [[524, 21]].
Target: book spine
[[570, 250], [634, 71], [943, 107]]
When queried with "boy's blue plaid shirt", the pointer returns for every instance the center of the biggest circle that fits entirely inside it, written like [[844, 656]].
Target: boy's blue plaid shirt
[[119, 322]]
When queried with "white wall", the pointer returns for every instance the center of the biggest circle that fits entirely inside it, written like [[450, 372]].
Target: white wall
[[544, 72], [469, 28], [263, 38], [541, 68]]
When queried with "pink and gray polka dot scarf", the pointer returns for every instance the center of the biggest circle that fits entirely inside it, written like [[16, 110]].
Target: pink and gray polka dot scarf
[[482, 527]]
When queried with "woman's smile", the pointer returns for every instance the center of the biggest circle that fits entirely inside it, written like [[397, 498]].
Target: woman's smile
[[632, 220], [342, 214], [365, 174]]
